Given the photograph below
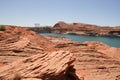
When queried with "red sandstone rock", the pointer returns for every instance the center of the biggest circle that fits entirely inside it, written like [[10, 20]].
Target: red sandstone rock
[[17, 38], [17, 42], [85, 29], [94, 60], [48, 66]]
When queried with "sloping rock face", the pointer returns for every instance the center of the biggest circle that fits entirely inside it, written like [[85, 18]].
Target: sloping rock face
[[49, 66], [17, 42], [94, 60], [23, 36], [13, 37], [29, 35], [86, 29], [24, 56]]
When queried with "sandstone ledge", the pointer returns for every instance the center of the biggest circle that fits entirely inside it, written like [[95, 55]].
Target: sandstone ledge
[[48, 66]]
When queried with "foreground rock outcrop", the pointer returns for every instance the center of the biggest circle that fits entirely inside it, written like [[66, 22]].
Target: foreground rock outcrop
[[48, 66], [13, 36], [25, 55], [17, 43], [94, 60]]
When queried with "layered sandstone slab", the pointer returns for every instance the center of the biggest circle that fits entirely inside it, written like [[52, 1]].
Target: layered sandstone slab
[[21, 37], [49, 66], [17, 42]]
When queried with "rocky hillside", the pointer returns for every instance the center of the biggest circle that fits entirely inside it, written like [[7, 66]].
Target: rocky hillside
[[86, 29]]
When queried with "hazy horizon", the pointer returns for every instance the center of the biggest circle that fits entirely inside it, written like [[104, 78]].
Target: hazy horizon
[[49, 12]]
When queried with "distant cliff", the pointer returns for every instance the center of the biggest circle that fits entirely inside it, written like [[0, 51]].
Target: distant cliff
[[86, 29], [80, 29], [47, 29]]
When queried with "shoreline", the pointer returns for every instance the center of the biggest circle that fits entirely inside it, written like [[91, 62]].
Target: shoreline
[[111, 41]]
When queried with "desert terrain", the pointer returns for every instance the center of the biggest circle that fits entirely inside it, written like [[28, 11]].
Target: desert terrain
[[26, 55]]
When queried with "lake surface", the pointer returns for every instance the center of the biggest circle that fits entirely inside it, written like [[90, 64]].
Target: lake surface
[[112, 41]]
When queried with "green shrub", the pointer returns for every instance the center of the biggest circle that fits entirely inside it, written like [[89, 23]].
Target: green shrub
[[2, 28]]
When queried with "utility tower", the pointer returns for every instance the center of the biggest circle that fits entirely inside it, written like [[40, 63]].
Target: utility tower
[[37, 25]]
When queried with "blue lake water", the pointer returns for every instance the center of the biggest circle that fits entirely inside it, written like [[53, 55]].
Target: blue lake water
[[112, 41]]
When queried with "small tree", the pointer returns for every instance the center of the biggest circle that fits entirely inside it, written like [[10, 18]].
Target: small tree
[[2, 28]]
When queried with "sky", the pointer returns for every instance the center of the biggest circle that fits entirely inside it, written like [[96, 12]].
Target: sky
[[49, 12]]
